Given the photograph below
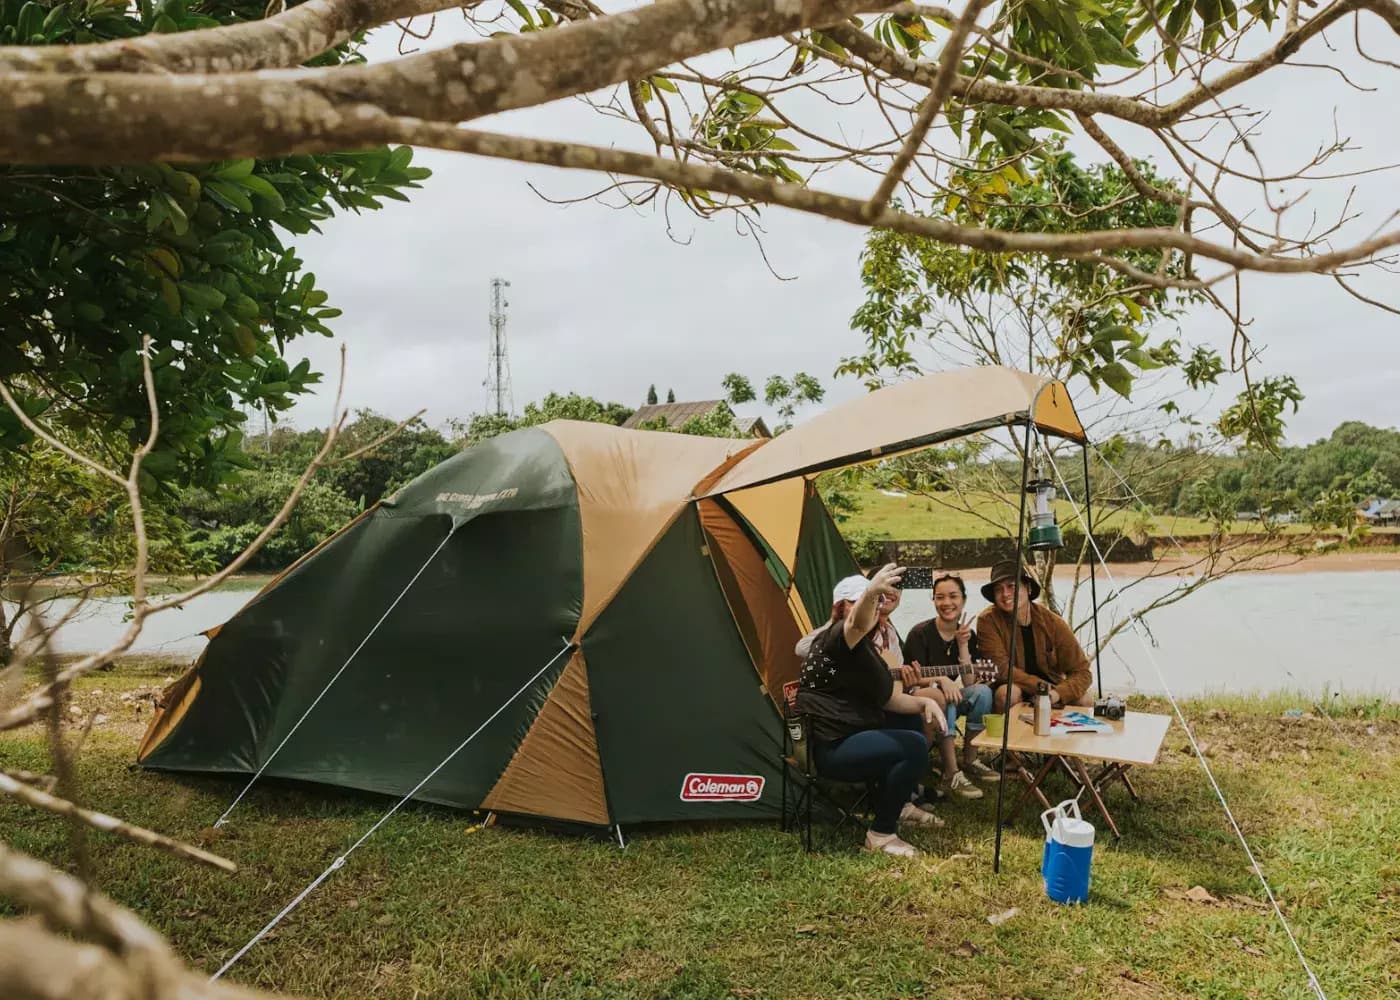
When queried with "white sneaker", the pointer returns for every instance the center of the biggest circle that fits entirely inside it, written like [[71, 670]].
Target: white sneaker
[[889, 843], [962, 787], [914, 815]]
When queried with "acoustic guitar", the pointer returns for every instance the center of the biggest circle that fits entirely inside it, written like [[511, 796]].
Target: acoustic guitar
[[983, 671]]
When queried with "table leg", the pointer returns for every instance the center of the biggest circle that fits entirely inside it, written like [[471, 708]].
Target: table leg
[[1119, 772], [1087, 782], [1032, 783], [1128, 783]]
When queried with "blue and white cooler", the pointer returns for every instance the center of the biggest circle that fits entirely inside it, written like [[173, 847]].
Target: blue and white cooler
[[1069, 851]]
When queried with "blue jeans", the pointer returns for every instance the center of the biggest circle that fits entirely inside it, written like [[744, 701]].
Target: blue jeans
[[976, 701], [892, 759]]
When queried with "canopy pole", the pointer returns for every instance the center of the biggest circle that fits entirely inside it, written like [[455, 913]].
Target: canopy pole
[[1011, 651], [1093, 586]]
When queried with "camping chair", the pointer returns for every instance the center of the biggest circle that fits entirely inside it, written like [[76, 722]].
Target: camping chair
[[798, 762]]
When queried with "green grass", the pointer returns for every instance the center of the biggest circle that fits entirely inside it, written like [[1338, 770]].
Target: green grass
[[427, 908], [917, 517]]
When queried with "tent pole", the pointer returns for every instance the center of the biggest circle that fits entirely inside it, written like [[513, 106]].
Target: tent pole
[[1093, 585], [1011, 644]]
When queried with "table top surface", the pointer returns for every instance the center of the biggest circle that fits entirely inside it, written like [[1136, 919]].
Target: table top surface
[[1136, 738]]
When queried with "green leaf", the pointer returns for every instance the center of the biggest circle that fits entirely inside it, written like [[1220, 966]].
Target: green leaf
[[1117, 378], [263, 190], [229, 195], [233, 170], [30, 22], [200, 297]]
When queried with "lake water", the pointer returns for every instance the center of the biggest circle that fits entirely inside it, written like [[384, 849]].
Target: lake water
[[1266, 632]]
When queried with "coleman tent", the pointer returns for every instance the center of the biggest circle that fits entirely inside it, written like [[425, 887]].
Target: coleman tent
[[621, 606]]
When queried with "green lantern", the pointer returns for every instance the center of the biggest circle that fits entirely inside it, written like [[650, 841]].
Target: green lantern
[[1045, 533]]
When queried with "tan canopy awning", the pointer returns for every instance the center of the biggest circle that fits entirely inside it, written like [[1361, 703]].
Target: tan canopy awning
[[906, 416]]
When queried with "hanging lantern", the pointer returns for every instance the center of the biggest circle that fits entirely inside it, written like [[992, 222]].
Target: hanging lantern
[[1045, 533]]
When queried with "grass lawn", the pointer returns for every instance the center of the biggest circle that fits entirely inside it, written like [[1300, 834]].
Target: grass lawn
[[429, 908], [917, 517]]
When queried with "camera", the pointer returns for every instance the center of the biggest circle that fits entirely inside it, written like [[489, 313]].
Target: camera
[[1111, 707]]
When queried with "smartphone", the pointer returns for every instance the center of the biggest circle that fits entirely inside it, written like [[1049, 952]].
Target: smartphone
[[917, 578]]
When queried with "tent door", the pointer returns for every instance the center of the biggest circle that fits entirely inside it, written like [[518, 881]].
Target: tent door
[[760, 606]]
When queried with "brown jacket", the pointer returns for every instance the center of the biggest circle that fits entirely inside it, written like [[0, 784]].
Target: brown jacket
[[1059, 658]]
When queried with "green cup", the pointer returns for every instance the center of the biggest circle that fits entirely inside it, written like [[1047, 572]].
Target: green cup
[[996, 725]]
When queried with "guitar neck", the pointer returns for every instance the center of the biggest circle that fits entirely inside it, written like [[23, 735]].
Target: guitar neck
[[951, 670]]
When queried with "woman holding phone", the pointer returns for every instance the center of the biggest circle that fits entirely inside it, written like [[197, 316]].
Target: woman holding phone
[[947, 640], [845, 688]]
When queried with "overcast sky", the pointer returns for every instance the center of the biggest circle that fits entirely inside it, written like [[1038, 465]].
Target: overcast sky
[[604, 302]]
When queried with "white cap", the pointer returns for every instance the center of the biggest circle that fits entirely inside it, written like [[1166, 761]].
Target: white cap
[[850, 589]]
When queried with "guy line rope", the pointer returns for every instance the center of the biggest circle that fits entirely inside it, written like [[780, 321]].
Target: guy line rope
[[340, 861], [334, 677], [1181, 718]]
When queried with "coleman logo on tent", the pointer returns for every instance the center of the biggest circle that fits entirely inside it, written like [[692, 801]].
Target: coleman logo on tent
[[721, 788]]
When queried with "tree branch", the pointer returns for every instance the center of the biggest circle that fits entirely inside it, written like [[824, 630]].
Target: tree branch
[[933, 102], [110, 118], [133, 962], [1088, 102], [287, 39], [101, 821], [803, 199]]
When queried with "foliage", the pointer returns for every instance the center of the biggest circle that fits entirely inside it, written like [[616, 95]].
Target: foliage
[[226, 520], [1357, 460], [738, 389], [57, 517], [555, 406], [735, 123], [1335, 509], [1256, 417], [651, 395], [193, 255], [718, 422], [839, 490], [787, 395], [1096, 321]]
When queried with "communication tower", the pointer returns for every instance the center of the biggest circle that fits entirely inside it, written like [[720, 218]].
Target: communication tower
[[498, 395]]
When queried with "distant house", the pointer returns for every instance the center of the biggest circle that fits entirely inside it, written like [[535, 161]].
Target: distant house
[[1380, 513], [676, 416], [753, 427]]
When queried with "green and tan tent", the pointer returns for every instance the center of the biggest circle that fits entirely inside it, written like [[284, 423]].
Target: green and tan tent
[[662, 579]]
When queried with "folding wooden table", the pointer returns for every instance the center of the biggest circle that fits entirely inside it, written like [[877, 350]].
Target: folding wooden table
[[1135, 739]]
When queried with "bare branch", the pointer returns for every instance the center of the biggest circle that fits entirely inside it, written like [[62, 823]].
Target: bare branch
[[45, 698], [130, 117], [288, 39], [762, 189], [110, 824], [132, 963], [938, 93]]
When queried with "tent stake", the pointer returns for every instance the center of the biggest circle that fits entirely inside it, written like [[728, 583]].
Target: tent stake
[[621, 844], [1093, 585], [1011, 644]]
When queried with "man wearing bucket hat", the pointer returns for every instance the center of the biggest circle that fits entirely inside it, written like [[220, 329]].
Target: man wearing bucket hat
[[845, 688], [1046, 649]]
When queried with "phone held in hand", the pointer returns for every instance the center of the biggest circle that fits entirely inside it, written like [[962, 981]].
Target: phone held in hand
[[918, 578]]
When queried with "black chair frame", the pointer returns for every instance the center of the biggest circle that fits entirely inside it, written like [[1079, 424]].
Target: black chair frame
[[800, 777]]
